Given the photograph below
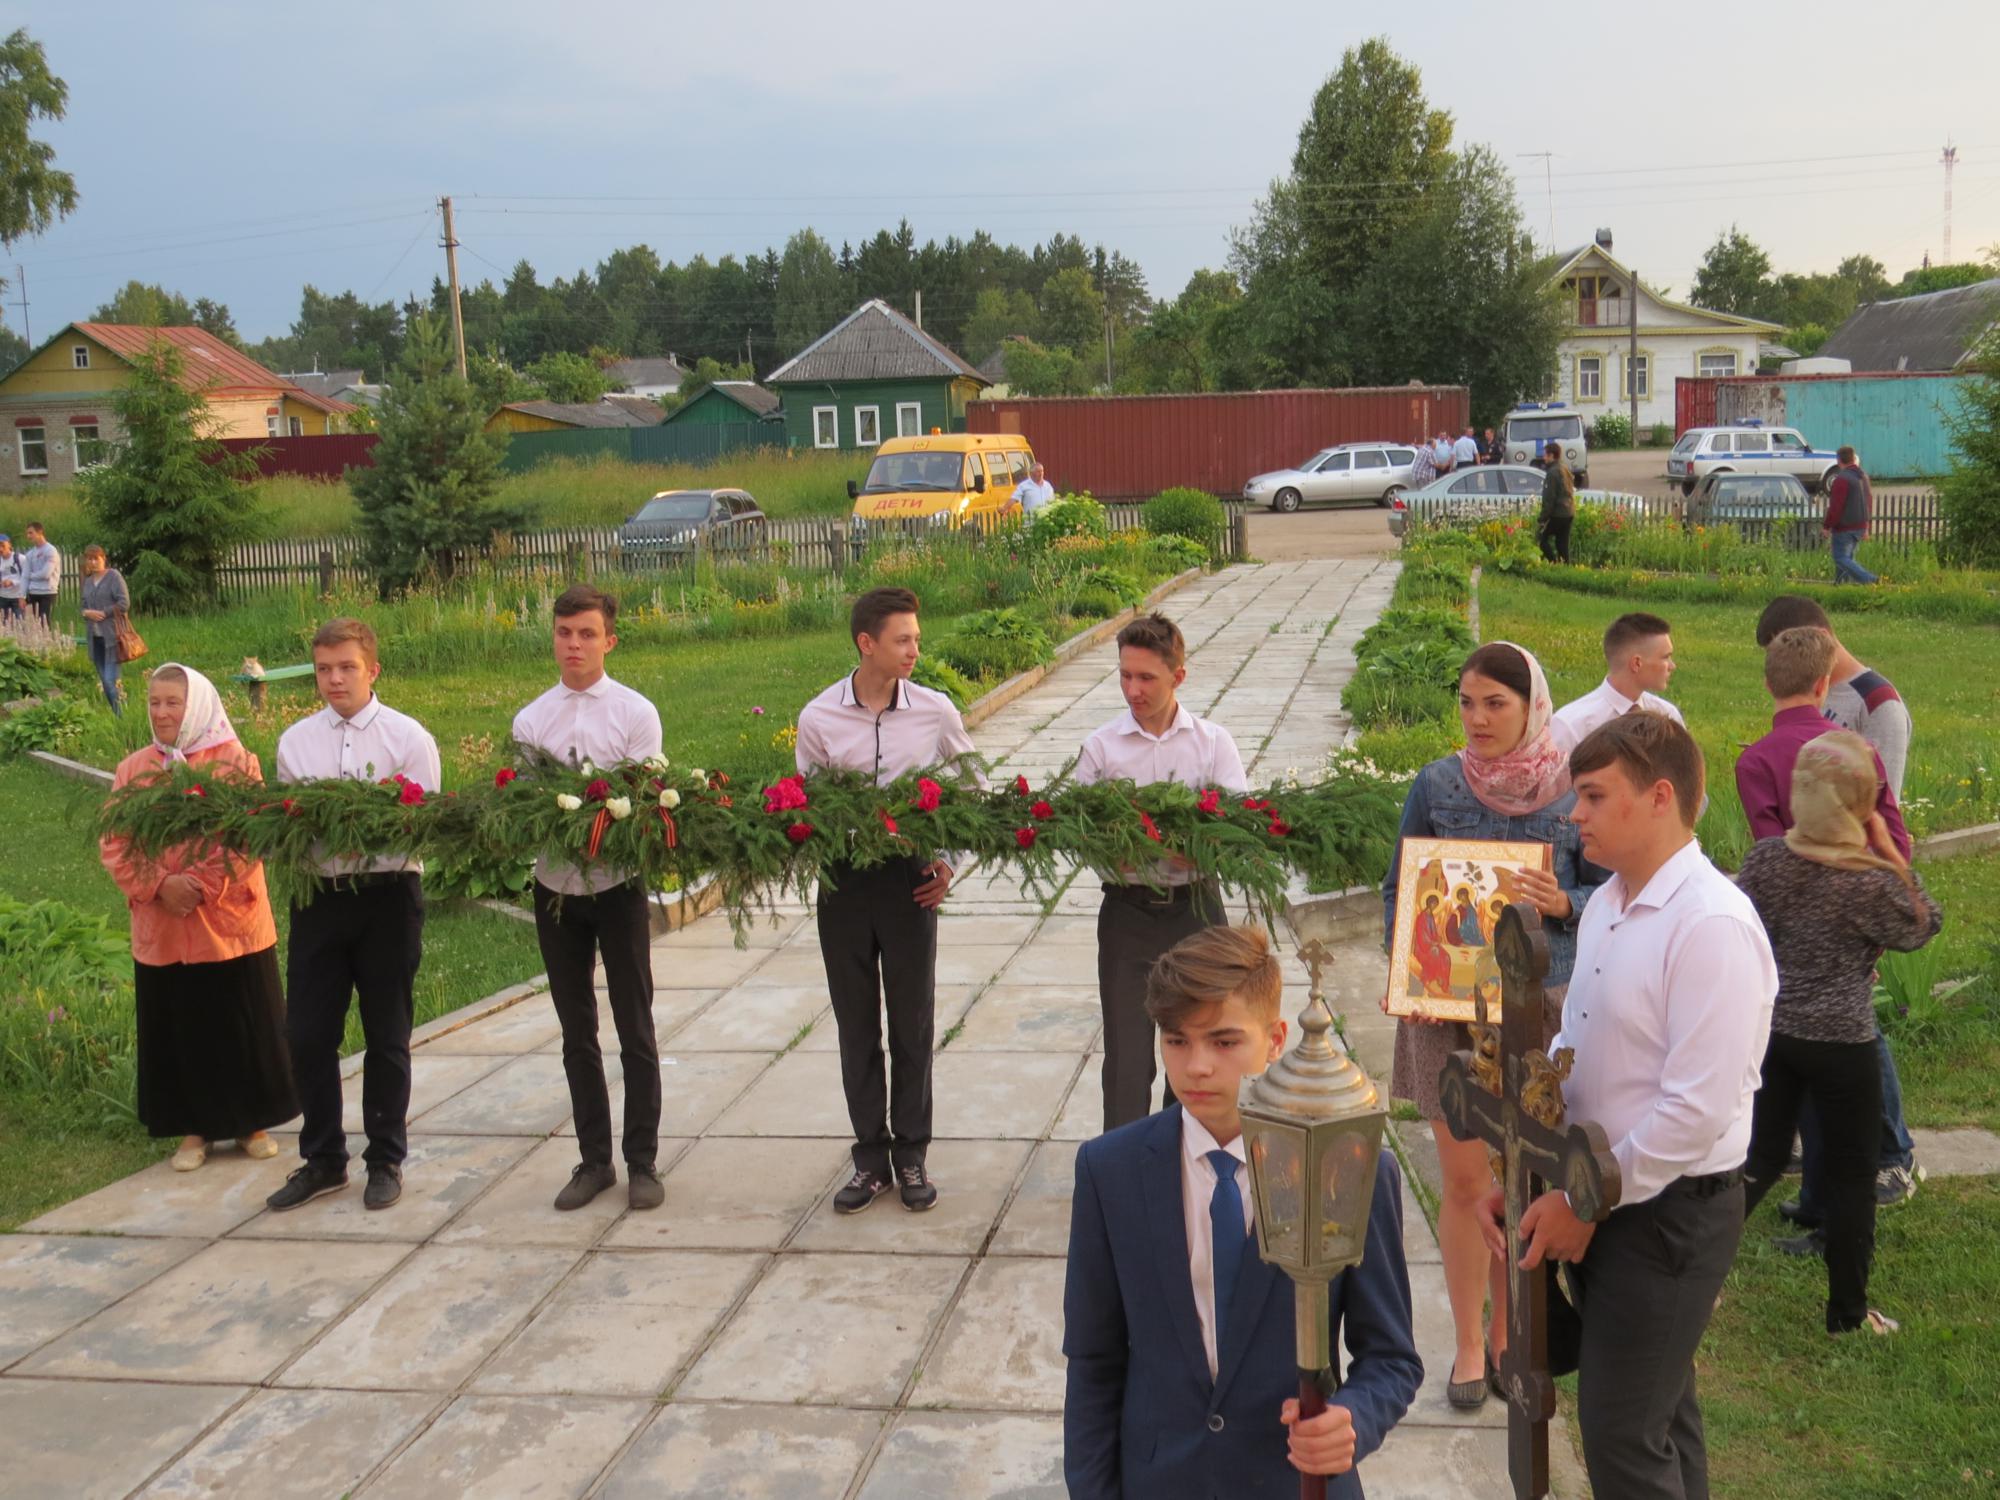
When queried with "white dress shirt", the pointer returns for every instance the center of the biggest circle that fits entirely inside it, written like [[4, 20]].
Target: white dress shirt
[[919, 728], [1601, 705], [1194, 751], [1031, 496], [606, 724], [1465, 451], [377, 742], [1669, 1010], [1197, 1188]]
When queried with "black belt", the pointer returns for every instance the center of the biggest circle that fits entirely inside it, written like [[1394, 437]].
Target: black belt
[[1710, 1185], [371, 880]]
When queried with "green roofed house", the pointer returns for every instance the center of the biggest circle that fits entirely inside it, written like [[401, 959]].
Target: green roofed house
[[727, 402], [873, 375]]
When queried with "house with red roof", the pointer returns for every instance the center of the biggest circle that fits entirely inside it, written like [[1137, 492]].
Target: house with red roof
[[56, 406]]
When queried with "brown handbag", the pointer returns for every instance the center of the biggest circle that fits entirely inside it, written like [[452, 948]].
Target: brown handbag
[[131, 644]]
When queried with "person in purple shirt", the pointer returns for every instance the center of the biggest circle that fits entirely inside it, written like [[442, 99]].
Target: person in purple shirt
[[1798, 671]]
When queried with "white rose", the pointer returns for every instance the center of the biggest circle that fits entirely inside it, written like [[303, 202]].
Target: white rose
[[670, 798], [699, 775], [568, 803], [619, 808], [656, 763], [587, 769]]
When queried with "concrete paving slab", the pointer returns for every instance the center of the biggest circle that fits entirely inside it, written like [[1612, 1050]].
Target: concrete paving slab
[[521, 1096], [523, 1026], [960, 931], [731, 1452], [694, 1088], [928, 1454], [1082, 1116], [828, 1330], [294, 1445], [972, 963], [754, 1020], [1037, 1222], [431, 1323], [714, 931], [702, 968], [1032, 1018], [799, 1095], [441, 1175], [160, 1201], [1440, 1463], [435, 1078], [793, 966], [97, 1440], [1966, 1152], [973, 1179], [1436, 1343], [999, 1095], [672, 1010], [1067, 965], [953, 1000], [522, 1447], [234, 1312], [1070, 932], [1003, 1345], [520, 1208], [50, 1283], [737, 1193], [622, 1325]]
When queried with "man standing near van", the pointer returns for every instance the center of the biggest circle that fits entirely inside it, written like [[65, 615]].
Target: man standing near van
[[1032, 493], [1850, 503], [1465, 452]]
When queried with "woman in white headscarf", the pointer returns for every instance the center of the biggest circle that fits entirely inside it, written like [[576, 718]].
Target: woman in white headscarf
[[210, 1006]]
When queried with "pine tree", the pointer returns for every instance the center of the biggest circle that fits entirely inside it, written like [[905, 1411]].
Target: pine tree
[[172, 503]]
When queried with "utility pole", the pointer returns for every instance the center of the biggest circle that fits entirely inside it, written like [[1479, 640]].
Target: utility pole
[[21, 275], [1948, 160], [1109, 382], [1632, 356], [1549, 186], [451, 269], [920, 308]]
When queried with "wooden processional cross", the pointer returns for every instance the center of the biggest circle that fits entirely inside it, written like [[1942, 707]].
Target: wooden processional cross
[[1507, 1092]]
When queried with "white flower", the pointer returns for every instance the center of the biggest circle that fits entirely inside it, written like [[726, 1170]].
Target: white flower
[[670, 798], [656, 764], [587, 769], [699, 774], [567, 802], [619, 808]]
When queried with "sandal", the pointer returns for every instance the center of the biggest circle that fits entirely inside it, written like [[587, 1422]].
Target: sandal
[[260, 1147], [1466, 1395], [189, 1157]]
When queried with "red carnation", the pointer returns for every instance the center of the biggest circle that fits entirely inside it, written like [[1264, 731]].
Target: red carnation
[[1021, 785], [412, 794], [929, 794], [798, 833], [1211, 801], [1025, 837], [1041, 812], [598, 790], [504, 775], [1255, 804], [197, 791], [789, 795], [1152, 828], [1279, 828], [291, 808], [888, 823]]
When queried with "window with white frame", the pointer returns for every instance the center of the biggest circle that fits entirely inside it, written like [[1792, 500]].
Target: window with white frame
[[909, 419], [295, 427], [79, 356], [271, 427], [867, 426], [1589, 377], [91, 448], [34, 449], [826, 427], [1639, 375], [1723, 364]]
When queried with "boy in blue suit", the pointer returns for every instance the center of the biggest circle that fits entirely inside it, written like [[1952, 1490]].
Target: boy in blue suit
[[1168, 1400]]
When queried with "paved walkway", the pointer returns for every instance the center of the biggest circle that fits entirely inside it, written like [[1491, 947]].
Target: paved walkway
[[167, 1337]]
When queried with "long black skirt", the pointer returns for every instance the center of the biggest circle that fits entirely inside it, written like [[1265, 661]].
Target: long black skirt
[[212, 1054]]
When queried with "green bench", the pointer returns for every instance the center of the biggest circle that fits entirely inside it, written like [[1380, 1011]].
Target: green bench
[[256, 681]]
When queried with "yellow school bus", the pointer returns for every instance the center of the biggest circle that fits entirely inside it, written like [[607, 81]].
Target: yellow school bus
[[945, 478]]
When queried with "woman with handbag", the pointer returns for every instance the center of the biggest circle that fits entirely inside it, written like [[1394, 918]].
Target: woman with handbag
[[107, 606]]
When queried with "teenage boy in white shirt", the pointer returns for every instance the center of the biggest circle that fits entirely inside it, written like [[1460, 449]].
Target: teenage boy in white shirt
[[1638, 665], [582, 913], [1669, 1011], [1155, 739], [361, 933]]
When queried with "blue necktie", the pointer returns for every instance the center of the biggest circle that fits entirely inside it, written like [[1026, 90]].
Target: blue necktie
[[1225, 1228]]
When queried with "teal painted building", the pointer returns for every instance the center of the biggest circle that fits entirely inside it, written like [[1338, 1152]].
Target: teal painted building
[[1895, 423], [727, 403], [873, 375]]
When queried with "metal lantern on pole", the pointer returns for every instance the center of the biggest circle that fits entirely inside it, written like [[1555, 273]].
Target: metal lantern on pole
[[1312, 1127]]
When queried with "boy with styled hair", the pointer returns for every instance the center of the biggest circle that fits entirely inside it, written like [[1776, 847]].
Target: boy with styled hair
[[1638, 664], [582, 913], [1155, 739], [1180, 1340], [361, 933]]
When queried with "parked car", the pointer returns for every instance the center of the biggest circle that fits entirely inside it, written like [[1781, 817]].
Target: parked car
[[673, 522], [1376, 472], [941, 479], [1534, 423], [1752, 501], [1477, 494], [1748, 448]]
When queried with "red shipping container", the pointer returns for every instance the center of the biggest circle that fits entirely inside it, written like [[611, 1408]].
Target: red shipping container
[[1132, 447], [315, 456]]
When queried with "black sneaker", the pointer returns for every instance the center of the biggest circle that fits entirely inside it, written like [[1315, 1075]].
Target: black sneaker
[[643, 1187], [919, 1192], [1811, 1243], [584, 1184], [385, 1185], [862, 1189], [313, 1180], [1793, 1212]]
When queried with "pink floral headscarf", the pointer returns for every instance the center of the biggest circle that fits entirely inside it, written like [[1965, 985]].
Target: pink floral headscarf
[[1535, 772]]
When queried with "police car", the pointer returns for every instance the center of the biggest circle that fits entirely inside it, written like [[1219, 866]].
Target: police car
[[1748, 448], [1534, 423]]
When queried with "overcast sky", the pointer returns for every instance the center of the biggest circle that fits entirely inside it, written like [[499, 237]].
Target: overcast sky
[[237, 151]]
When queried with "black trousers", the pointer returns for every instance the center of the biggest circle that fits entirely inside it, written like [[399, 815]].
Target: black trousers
[[573, 932], [1844, 1082], [358, 936], [1135, 925], [1553, 534], [1644, 1291], [41, 604], [880, 950]]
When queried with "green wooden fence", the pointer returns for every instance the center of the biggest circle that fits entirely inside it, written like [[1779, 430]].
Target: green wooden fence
[[666, 444]]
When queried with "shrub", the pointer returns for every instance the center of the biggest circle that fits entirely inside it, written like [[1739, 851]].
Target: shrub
[[57, 724], [1662, 435], [1376, 700], [1402, 624], [1612, 429], [1115, 583], [22, 673], [995, 643], [1969, 493], [1184, 512], [1178, 553], [941, 676], [66, 1026], [1069, 515], [1426, 581]]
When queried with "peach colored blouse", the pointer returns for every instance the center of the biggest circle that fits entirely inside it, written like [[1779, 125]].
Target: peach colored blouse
[[234, 917]]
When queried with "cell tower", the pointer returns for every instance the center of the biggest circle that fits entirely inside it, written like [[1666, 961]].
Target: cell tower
[[1950, 160]]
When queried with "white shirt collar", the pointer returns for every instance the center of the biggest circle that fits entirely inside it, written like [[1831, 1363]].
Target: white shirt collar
[[1197, 1141], [596, 690], [850, 699], [1616, 697], [1667, 880], [365, 716], [1129, 724]]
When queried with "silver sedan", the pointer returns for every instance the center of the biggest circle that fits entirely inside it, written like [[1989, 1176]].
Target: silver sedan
[[1372, 472], [1491, 489]]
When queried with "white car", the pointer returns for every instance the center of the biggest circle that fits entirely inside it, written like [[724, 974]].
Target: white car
[[1532, 425], [1375, 472], [1748, 448], [1482, 494]]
